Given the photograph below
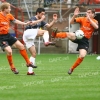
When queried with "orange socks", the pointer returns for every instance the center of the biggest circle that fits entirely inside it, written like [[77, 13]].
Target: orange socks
[[10, 61], [23, 53], [61, 35], [78, 61], [25, 56]]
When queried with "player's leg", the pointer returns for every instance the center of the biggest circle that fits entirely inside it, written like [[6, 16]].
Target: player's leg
[[83, 46], [23, 52], [56, 34], [32, 50], [69, 35], [82, 54], [28, 39], [8, 50], [45, 35], [31, 47], [5, 47]]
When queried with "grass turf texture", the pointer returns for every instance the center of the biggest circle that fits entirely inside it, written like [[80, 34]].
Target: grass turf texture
[[51, 81]]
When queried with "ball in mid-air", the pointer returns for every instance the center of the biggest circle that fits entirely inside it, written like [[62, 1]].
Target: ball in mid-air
[[79, 34]]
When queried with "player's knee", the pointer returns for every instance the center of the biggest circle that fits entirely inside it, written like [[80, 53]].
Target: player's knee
[[82, 55], [34, 54], [45, 31], [71, 36], [9, 52], [41, 32], [21, 47]]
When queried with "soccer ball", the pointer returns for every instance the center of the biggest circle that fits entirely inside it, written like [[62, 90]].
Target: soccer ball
[[79, 34]]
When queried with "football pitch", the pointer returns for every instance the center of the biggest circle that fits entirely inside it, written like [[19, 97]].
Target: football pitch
[[51, 81]]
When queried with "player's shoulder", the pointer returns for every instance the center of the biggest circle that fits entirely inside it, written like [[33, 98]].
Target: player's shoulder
[[33, 18], [0, 14], [10, 15]]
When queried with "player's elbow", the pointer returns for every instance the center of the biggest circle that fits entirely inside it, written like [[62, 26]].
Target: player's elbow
[[96, 27], [48, 26]]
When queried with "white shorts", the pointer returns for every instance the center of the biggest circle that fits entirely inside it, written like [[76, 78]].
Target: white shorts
[[29, 37]]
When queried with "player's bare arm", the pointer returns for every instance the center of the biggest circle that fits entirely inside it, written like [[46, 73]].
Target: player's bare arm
[[20, 22], [76, 12], [54, 20], [38, 21]]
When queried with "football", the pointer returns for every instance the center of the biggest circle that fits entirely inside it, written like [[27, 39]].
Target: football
[[79, 34]]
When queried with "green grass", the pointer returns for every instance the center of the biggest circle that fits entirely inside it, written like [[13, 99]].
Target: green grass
[[51, 81]]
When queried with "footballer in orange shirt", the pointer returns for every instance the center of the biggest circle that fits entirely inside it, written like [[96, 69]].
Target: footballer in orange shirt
[[7, 40], [88, 24]]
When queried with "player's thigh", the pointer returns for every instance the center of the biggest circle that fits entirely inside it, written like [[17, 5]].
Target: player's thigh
[[18, 45], [41, 32], [71, 36], [30, 34], [82, 53], [29, 43]]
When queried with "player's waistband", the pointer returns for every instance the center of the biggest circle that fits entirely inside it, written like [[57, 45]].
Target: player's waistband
[[3, 34]]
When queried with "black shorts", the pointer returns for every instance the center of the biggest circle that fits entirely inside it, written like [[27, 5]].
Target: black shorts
[[7, 40], [82, 43]]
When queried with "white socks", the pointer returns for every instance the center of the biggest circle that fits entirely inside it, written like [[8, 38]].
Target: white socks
[[32, 59], [46, 36], [30, 69]]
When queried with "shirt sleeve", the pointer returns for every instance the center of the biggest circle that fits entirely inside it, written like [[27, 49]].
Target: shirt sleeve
[[32, 19], [43, 24], [11, 17], [78, 20]]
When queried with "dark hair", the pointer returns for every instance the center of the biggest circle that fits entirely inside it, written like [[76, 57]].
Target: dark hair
[[39, 10], [92, 10]]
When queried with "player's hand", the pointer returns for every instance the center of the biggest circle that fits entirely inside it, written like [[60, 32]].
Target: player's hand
[[55, 17], [87, 15], [43, 17], [28, 23], [76, 12]]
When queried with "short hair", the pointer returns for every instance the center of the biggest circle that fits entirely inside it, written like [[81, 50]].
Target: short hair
[[39, 10], [4, 6], [92, 10]]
